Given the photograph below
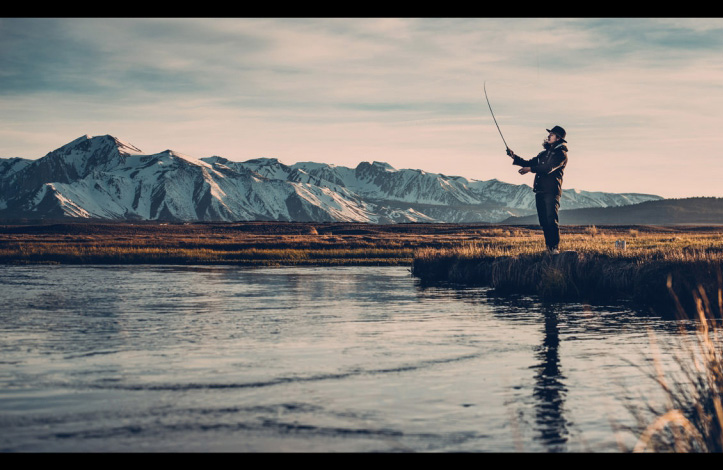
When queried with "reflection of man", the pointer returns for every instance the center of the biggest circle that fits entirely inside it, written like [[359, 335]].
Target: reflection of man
[[547, 166]]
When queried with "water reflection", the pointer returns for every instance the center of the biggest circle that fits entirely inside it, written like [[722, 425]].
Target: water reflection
[[549, 390], [580, 326]]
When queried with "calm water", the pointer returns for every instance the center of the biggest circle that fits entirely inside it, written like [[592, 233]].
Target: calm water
[[139, 358]]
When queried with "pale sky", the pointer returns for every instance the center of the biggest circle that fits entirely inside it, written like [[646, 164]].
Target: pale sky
[[641, 99]]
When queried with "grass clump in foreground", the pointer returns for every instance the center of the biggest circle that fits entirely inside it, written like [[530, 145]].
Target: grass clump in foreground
[[691, 418], [589, 269]]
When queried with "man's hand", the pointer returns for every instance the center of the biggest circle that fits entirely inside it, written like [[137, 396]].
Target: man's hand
[[524, 170], [510, 153]]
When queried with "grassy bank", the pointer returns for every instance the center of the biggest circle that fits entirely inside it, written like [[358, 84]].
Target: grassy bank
[[248, 243], [590, 268]]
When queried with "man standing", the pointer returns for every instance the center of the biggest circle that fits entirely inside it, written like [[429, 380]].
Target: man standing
[[548, 167]]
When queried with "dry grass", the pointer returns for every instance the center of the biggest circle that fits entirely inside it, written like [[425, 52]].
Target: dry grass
[[590, 268], [644, 246], [691, 417], [255, 243]]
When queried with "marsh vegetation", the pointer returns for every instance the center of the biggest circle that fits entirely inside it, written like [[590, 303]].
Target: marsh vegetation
[[592, 267]]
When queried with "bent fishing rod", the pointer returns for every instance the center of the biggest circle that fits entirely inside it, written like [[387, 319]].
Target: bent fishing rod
[[493, 117]]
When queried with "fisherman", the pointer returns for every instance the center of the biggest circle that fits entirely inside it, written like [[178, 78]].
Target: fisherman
[[548, 167]]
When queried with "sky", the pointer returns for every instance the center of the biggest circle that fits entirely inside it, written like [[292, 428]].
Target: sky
[[641, 98]]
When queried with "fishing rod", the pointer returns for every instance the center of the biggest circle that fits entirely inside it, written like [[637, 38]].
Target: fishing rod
[[493, 117]]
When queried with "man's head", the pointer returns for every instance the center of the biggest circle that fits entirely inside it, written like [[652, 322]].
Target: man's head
[[557, 133]]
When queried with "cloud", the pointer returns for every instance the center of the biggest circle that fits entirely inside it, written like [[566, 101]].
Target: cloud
[[406, 90]]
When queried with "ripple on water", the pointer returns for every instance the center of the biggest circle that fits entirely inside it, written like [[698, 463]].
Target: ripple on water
[[126, 358]]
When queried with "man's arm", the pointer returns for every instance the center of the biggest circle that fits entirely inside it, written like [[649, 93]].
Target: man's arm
[[557, 160], [519, 161]]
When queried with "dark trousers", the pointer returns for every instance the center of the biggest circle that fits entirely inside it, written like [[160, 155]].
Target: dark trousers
[[547, 207]]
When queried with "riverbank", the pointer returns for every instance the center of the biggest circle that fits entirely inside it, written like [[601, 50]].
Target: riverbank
[[242, 243], [247, 244], [507, 258], [652, 270]]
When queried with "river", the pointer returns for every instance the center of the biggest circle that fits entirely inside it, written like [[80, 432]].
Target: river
[[304, 359]]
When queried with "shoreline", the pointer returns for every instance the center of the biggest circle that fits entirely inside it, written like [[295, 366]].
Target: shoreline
[[508, 258], [666, 286]]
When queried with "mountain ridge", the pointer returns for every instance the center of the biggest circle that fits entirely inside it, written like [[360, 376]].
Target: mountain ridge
[[103, 177]]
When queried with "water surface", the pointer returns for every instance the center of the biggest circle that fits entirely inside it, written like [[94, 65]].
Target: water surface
[[348, 359]]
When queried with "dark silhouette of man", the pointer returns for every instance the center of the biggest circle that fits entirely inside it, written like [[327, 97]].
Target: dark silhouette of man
[[548, 167]]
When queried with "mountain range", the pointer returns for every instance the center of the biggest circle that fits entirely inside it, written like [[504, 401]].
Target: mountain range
[[105, 178]]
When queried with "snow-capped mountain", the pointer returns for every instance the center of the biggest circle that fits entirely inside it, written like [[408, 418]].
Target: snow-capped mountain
[[103, 177]]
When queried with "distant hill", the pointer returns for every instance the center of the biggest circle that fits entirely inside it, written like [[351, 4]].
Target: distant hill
[[694, 210]]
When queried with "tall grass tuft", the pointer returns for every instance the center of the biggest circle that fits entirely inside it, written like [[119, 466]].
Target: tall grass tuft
[[691, 418]]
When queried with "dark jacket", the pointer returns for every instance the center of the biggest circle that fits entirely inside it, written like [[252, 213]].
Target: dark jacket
[[548, 167]]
